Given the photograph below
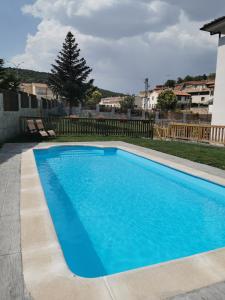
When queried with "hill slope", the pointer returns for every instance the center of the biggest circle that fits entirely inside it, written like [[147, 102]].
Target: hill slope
[[29, 76]]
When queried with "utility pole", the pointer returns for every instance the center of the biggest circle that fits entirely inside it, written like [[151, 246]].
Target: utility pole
[[146, 91]]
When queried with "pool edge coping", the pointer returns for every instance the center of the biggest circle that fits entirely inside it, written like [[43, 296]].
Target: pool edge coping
[[29, 173]]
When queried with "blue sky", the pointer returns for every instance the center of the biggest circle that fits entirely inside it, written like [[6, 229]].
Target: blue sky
[[122, 41], [14, 27]]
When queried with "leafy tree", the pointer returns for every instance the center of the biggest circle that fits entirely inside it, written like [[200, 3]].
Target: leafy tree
[[179, 80], [8, 80], [167, 100], [128, 102], [170, 83], [211, 76], [94, 98], [69, 76]]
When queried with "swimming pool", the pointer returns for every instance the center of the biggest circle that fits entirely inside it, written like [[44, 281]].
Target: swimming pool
[[114, 211]]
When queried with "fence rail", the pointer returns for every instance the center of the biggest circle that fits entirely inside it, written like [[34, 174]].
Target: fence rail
[[87, 126], [192, 132]]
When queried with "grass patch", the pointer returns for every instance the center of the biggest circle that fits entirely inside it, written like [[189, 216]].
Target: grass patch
[[205, 154]]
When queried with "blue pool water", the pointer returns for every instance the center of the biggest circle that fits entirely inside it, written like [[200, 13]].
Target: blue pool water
[[114, 211]]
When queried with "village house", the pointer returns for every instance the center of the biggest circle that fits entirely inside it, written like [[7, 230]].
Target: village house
[[183, 98], [201, 92], [111, 101], [41, 90], [115, 102], [189, 94]]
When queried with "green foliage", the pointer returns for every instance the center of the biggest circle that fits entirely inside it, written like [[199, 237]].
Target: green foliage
[[30, 76], [1, 66], [108, 94], [167, 100], [8, 80], [69, 76], [211, 76], [170, 83], [128, 102], [94, 98]]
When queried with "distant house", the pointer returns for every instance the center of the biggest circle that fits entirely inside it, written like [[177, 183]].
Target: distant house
[[111, 101], [150, 103], [201, 92], [41, 90], [218, 110]]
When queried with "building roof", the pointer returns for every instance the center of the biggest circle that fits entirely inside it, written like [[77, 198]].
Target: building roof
[[215, 27], [181, 93]]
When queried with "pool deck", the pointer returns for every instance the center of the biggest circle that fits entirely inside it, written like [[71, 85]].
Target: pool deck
[[43, 267]]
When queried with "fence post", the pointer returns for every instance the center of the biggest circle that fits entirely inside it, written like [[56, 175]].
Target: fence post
[[184, 117], [129, 113], [156, 116], [80, 108], [113, 111], [19, 101], [97, 108]]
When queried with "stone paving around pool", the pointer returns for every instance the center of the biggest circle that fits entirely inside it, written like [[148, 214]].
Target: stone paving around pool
[[45, 272]]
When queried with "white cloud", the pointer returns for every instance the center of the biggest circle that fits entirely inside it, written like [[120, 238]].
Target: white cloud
[[123, 41]]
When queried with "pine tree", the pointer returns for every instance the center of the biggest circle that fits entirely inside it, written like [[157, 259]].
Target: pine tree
[[69, 76]]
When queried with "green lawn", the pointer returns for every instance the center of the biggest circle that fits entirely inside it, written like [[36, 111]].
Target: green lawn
[[210, 155]]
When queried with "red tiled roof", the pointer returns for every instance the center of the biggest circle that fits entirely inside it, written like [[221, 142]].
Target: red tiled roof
[[181, 93]]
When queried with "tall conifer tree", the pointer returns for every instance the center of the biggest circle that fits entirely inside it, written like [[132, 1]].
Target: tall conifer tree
[[69, 76]]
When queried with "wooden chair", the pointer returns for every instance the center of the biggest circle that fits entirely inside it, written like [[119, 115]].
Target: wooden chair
[[41, 128], [33, 130]]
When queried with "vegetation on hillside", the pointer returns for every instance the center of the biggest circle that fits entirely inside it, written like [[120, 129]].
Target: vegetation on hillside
[[29, 76], [8, 79], [171, 82]]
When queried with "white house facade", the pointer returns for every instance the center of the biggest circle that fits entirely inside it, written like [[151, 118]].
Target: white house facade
[[218, 110]]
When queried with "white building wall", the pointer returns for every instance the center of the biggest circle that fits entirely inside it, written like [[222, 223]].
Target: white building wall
[[218, 111], [197, 99]]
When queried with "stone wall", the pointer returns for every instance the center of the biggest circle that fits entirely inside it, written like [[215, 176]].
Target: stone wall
[[10, 120]]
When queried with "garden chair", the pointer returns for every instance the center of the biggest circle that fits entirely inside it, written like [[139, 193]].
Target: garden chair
[[40, 127], [33, 130]]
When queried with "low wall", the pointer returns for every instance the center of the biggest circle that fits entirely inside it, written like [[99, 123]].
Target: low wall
[[10, 120]]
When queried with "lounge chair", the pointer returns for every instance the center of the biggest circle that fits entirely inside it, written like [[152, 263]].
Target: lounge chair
[[33, 130], [40, 127]]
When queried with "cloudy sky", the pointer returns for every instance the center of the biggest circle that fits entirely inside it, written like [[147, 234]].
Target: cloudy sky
[[124, 41]]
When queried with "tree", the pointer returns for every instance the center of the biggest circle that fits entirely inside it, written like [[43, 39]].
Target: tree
[[8, 80], [94, 98], [128, 102], [167, 100], [170, 83], [69, 76], [1, 67], [179, 80]]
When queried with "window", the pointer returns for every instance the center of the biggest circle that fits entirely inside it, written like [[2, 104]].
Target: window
[[202, 99], [41, 91]]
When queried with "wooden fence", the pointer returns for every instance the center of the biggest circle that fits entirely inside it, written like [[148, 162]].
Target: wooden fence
[[88, 126], [192, 132]]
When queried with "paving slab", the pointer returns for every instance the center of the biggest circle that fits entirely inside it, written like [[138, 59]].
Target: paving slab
[[11, 272]]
